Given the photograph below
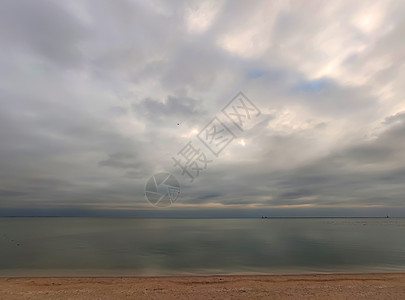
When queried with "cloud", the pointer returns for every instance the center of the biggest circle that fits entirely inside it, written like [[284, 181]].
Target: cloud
[[174, 108], [399, 117], [91, 96], [46, 28], [119, 161]]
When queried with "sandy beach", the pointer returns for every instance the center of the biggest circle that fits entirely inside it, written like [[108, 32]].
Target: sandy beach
[[309, 286]]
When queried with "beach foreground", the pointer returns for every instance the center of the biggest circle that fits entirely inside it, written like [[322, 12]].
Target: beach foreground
[[309, 286]]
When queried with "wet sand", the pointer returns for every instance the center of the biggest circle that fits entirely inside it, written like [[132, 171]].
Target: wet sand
[[309, 286]]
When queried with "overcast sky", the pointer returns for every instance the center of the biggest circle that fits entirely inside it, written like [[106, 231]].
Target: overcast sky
[[97, 96]]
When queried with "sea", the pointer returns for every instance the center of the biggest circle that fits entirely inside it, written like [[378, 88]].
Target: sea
[[153, 247]]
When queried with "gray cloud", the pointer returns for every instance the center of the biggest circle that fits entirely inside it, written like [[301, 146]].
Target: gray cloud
[[90, 98], [46, 28], [174, 108], [399, 117]]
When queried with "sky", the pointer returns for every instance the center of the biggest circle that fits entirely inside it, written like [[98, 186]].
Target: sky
[[97, 96]]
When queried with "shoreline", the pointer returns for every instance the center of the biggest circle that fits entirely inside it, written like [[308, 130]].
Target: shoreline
[[247, 274], [129, 274], [278, 286]]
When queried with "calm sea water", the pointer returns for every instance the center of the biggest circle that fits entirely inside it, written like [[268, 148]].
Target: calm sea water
[[92, 246]]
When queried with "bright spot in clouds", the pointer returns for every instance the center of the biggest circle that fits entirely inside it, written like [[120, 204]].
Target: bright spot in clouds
[[190, 133], [242, 142]]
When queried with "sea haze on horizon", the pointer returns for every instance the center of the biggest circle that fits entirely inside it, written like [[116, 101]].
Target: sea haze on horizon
[[95, 98], [204, 213]]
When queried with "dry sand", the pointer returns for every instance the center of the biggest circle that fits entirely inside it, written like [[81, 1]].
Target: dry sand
[[311, 286]]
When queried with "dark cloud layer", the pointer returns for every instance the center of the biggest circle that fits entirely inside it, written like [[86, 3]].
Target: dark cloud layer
[[97, 97]]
